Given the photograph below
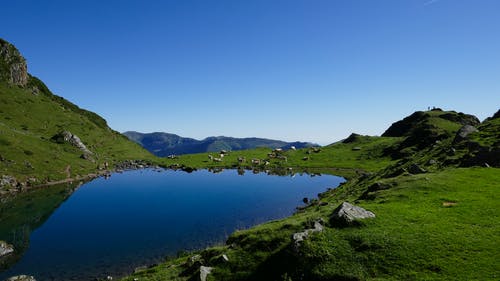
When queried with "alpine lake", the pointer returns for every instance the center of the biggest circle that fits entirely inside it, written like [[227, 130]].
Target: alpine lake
[[109, 226]]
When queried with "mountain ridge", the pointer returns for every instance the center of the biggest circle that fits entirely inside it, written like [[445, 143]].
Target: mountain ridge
[[164, 144]]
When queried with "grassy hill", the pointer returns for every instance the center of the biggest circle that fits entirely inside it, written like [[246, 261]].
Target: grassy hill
[[30, 118], [437, 212]]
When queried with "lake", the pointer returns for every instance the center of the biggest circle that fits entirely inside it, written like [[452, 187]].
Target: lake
[[110, 226]]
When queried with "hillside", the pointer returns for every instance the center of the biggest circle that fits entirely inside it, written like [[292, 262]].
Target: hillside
[[434, 198], [45, 138], [165, 144]]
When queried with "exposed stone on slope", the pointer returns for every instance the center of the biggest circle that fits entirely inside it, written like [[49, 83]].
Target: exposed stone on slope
[[21, 278], [347, 214], [204, 271], [13, 68], [5, 248], [7, 180], [464, 132], [301, 236], [416, 169], [66, 136]]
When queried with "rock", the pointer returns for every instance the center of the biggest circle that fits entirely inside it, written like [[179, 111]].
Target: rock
[[74, 140], [348, 214], [204, 271], [301, 236], [21, 278], [5, 248], [486, 165], [195, 260], [432, 162], [7, 180], [416, 169], [378, 186], [109, 277], [224, 258], [464, 132], [356, 148], [13, 69]]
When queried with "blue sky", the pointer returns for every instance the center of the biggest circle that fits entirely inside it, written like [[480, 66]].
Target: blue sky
[[306, 70]]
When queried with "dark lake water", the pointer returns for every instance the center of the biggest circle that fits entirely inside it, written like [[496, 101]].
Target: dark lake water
[[109, 227]]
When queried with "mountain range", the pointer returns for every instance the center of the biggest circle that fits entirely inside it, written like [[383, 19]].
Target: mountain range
[[165, 144]]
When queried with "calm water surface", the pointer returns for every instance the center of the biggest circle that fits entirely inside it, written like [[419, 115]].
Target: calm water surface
[[109, 227]]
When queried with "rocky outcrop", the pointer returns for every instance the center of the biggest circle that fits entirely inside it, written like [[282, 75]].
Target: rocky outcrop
[[416, 169], [74, 140], [5, 248], [347, 214], [204, 271], [419, 121], [464, 132], [301, 236], [8, 181], [133, 165], [13, 68], [21, 278]]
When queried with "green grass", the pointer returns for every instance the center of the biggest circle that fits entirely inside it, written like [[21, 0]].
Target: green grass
[[338, 158], [439, 226], [27, 124]]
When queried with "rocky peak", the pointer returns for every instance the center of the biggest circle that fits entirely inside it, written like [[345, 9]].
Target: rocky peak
[[13, 68]]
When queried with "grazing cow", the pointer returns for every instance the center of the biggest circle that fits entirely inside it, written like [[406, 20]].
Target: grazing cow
[[255, 161], [283, 158], [210, 157], [217, 160], [241, 159]]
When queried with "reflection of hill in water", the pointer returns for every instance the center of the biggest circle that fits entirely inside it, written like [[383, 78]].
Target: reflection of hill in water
[[21, 215]]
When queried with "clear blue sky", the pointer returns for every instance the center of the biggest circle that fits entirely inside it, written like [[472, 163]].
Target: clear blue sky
[[306, 70]]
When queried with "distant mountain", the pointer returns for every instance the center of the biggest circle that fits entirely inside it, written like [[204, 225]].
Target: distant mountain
[[164, 144]]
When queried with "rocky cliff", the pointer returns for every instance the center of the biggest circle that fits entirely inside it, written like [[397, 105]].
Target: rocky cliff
[[13, 68]]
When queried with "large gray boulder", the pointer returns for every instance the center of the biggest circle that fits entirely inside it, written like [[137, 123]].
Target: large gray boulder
[[465, 131], [204, 271], [21, 278], [347, 214], [5, 248], [74, 140]]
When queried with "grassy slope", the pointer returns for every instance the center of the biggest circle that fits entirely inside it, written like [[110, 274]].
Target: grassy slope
[[441, 225], [414, 237], [27, 123], [337, 158]]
